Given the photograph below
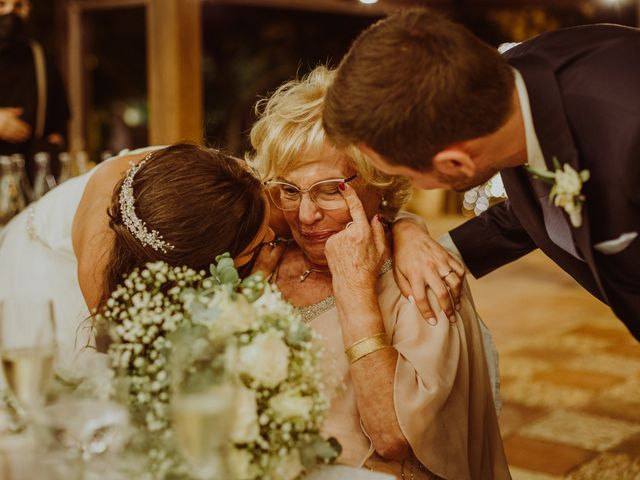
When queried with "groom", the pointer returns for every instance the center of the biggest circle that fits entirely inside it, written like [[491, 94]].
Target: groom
[[423, 97]]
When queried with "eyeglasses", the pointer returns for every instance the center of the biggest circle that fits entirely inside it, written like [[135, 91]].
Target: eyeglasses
[[325, 194]]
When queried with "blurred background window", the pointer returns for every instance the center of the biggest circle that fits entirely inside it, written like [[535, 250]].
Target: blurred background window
[[247, 49]]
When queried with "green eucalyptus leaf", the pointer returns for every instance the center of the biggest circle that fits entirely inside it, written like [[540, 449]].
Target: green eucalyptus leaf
[[229, 275]]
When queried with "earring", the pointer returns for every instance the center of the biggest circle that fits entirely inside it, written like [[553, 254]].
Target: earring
[[383, 202]]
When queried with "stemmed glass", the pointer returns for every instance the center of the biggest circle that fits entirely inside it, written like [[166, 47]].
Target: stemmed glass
[[27, 349], [91, 432], [89, 427], [203, 412]]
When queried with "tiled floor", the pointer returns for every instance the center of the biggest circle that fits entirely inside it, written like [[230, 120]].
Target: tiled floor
[[570, 374]]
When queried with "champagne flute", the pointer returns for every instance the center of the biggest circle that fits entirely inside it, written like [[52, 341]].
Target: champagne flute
[[27, 348], [202, 424], [203, 412]]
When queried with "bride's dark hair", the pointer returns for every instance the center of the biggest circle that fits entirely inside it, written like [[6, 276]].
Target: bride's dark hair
[[202, 201]]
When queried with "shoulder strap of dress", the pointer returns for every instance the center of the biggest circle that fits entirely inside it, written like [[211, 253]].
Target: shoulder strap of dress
[[41, 82]]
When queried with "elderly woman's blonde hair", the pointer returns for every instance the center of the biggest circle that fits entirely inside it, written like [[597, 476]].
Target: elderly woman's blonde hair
[[289, 128]]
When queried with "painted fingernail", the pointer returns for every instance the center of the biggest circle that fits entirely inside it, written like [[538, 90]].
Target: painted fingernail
[[342, 186], [432, 321], [412, 300]]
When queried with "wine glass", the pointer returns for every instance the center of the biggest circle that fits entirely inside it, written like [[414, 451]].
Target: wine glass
[[202, 421], [88, 427], [27, 348], [203, 412]]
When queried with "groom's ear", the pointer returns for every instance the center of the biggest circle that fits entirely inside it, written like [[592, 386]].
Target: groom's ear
[[454, 162]]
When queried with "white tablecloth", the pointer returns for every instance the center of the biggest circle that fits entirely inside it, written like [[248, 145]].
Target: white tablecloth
[[340, 472]]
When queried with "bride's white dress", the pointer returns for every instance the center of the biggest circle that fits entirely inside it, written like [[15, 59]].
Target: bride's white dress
[[37, 261]]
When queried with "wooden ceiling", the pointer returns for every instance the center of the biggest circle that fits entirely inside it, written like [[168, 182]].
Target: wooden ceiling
[[385, 6]]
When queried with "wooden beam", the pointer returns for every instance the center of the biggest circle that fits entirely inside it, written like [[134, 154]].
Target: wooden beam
[[107, 4], [353, 7], [383, 7], [174, 46]]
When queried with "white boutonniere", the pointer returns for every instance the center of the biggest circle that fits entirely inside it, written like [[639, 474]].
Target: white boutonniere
[[566, 191]]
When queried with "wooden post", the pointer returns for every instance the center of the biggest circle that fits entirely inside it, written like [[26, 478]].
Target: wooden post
[[74, 77], [174, 46]]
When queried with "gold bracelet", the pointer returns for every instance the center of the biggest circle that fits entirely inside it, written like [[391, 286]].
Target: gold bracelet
[[366, 346]]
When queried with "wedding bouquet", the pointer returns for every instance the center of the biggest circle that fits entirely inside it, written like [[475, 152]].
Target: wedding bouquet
[[173, 325]]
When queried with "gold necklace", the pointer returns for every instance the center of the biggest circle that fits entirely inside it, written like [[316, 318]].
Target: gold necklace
[[311, 270]]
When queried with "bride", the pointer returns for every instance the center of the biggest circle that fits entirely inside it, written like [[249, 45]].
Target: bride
[[183, 204]]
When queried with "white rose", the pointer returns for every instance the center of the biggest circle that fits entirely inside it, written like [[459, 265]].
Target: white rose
[[245, 427], [224, 316], [291, 405], [237, 315], [561, 199], [287, 467], [568, 180], [271, 302], [240, 464], [266, 359], [574, 211]]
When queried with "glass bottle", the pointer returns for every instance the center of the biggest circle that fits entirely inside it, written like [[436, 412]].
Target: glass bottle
[[105, 155], [65, 167], [82, 162], [43, 180], [23, 189], [8, 188]]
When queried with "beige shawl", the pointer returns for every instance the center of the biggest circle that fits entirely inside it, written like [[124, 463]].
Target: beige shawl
[[443, 398]]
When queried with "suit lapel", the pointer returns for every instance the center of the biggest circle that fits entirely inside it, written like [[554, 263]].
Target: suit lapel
[[523, 201], [555, 138]]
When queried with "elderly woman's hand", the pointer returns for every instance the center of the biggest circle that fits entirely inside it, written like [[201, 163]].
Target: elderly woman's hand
[[355, 255]]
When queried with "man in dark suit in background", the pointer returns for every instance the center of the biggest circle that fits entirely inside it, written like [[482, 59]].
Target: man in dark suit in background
[[33, 105], [423, 97]]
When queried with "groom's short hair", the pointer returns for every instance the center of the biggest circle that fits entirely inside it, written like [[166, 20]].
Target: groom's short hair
[[415, 83]]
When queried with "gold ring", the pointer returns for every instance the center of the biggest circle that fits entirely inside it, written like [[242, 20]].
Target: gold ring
[[448, 273], [348, 225]]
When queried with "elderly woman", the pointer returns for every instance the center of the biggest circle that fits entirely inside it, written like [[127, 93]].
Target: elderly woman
[[412, 399]]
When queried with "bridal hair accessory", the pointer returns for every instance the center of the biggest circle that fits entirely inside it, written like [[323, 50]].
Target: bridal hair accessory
[[566, 190], [137, 227]]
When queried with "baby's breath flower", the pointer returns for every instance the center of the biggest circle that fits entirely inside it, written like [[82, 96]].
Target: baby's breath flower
[[284, 402]]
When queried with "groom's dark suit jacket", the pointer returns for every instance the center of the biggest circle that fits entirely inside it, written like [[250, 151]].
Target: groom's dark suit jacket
[[584, 90]]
